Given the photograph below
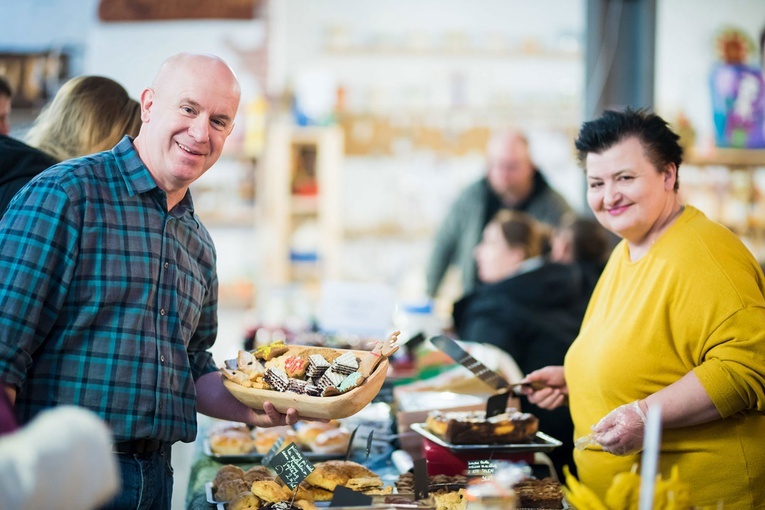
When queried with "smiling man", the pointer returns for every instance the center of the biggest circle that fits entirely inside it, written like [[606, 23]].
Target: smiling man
[[109, 287]]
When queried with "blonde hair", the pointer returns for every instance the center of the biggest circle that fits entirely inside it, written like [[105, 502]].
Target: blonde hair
[[88, 114], [520, 230]]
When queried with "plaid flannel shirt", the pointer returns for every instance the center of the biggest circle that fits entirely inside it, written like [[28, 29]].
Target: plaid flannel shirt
[[107, 300]]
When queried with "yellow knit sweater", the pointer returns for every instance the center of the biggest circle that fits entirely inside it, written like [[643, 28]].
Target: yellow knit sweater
[[695, 301]]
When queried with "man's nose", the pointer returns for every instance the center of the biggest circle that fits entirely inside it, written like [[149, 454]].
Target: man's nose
[[199, 128]]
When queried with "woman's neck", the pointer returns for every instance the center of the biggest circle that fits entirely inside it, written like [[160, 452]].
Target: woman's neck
[[665, 220]]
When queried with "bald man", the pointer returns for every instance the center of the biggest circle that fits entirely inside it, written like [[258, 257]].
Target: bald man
[[512, 182], [109, 286]]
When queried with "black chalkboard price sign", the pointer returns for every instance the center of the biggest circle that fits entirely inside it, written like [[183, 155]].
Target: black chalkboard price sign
[[291, 466]]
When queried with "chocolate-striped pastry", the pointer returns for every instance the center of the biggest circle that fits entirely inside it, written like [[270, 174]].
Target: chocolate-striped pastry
[[317, 365], [330, 378], [346, 364], [297, 386], [277, 379]]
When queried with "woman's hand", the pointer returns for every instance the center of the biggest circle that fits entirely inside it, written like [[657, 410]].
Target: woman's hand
[[621, 431], [554, 393]]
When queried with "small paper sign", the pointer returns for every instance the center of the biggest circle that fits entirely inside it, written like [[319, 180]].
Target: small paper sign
[[272, 451], [291, 466], [482, 469], [420, 479], [343, 496]]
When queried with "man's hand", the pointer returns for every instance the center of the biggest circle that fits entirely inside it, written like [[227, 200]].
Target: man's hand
[[270, 417]]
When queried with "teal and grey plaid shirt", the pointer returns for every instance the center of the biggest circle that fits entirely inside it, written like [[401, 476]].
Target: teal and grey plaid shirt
[[107, 301]]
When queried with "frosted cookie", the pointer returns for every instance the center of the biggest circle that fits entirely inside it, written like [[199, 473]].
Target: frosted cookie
[[270, 351], [295, 366], [350, 382]]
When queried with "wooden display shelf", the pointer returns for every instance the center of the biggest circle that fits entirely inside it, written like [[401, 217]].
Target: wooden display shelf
[[726, 157]]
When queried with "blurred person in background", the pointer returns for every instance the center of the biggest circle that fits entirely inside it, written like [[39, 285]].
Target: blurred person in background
[[60, 460], [584, 244], [88, 114], [6, 93], [526, 306], [512, 181], [675, 323]]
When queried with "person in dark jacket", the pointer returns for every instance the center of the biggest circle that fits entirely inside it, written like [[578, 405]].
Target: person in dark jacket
[[88, 114], [528, 307]]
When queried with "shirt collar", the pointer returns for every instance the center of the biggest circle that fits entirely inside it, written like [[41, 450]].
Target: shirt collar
[[137, 177]]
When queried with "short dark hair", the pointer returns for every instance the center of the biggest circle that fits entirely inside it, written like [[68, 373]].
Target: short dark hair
[[5, 87], [658, 140]]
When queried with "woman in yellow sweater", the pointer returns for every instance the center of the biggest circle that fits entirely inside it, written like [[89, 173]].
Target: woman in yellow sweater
[[677, 320]]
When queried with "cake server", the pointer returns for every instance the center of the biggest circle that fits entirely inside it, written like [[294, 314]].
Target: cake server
[[452, 349]]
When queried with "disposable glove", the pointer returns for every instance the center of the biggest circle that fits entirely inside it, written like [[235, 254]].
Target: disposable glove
[[621, 431]]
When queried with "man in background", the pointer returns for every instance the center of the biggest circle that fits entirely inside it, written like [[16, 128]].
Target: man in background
[[5, 106], [511, 182]]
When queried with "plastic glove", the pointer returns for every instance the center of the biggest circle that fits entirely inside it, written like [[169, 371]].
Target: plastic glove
[[621, 431]]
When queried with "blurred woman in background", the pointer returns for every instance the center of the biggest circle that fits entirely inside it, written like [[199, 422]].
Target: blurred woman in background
[[88, 114], [526, 306]]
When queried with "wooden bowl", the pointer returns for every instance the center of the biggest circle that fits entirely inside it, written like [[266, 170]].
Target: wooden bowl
[[328, 408]]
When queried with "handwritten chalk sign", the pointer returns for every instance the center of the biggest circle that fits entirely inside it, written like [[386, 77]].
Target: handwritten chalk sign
[[272, 451], [291, 466], [481, 469]]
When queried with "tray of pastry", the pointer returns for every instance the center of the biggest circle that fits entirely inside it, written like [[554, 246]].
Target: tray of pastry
[[236, 442], [541, 442], [254, 456]]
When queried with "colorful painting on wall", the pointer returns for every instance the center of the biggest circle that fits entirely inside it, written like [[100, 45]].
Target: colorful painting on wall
[[738, 93]]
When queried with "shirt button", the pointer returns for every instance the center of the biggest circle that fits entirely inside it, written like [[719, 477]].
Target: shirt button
[[167, 264], [162, 312], [161, 405], [162, 358]]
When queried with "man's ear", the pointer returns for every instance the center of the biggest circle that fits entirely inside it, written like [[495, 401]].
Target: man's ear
[[147, 101]]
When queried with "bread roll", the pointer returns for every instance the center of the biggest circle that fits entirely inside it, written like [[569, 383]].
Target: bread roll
[[334, 441]]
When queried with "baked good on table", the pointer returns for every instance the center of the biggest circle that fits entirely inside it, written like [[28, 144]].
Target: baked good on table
[[229, 489], [256, 474], [332, 441], [329, 474], [544, 493], [308, 430], [472, 427], [270, 491], [244, 501], [232, 442], [286, 505], [227, 472], [266, 437], [436, 483]]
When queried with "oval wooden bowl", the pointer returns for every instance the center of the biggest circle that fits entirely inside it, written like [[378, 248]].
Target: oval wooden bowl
[[327, 408]]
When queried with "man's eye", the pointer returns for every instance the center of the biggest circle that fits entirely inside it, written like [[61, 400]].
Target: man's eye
[[595, 184], [187, 109]]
